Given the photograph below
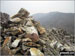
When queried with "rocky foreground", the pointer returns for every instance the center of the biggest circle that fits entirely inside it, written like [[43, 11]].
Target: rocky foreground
[[22, 35]]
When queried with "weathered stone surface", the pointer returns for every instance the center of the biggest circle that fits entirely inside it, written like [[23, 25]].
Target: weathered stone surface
[[31, 30], [41, 30], [23, 13], [36, 52], [16, 20], [6, 51], [6, 42], [15, 43], [14, 51], [42, 41], [4, 19], [26, 39], [34, 37], [31, 44], [29, 22]]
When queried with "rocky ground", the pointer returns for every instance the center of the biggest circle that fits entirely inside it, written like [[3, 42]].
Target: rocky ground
[[22, 35]]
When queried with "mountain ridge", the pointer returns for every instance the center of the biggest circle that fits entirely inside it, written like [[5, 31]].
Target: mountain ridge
[[56, 19]]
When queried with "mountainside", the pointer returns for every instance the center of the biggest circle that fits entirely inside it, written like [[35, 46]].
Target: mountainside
[[56, 19]]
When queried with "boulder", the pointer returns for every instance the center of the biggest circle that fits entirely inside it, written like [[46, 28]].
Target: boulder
[[41, 30], [29, 30], [4, 19], [36, 52], [34, 37], [23, 13], [15, 43]]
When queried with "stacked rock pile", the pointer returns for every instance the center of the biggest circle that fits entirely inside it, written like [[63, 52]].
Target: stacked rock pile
[[22, 35]]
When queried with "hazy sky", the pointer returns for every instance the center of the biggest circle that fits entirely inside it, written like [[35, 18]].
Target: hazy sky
[[12, 7]]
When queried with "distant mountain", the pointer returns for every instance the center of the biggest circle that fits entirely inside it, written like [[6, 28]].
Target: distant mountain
[[56, 19]]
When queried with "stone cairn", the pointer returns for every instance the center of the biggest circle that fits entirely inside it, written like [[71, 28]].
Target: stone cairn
[[22, 35]]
